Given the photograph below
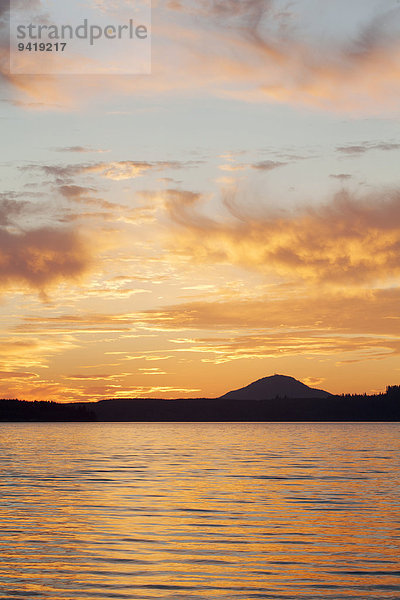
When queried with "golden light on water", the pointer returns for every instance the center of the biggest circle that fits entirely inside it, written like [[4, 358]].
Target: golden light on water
[[224, 510]]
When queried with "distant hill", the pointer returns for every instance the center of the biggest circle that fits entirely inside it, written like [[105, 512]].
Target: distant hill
[[276, 386], [276, 398], [22, 411]]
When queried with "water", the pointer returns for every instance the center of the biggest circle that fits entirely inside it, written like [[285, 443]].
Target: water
[[219, 511]]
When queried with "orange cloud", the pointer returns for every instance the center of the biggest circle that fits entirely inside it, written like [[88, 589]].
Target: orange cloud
[[364, 312], [101, 377], [352, 240], [128, 169], [11, 375], [157, 391], [364, 325], [18, 353], [278, 345], [90, 323]]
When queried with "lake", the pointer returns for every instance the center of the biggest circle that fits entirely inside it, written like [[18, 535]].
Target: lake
[[205, 511]]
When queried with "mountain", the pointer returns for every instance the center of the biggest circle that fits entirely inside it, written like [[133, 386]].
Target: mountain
[[276, 386], [276, 398]]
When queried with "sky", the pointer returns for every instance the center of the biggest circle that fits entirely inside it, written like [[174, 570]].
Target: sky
[[232, 214]]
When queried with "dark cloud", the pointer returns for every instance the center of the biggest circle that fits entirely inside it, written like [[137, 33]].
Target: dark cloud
[[11, 209], [341, 176], [367, 146], [4, 6], [41, 257], [352, 149], [380, 31], [181, 206], [75, 191], [18, 4], [267, 165], [79, 149]]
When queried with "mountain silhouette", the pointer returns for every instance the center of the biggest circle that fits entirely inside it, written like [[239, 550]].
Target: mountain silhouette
[[276, 386], [276, 398]]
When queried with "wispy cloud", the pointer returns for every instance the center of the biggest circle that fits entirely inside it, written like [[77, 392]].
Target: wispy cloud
[[367, 147], [253, 51], [10, 375], [89, 323], [279, 345], [361, 312], [267, 165], [116, 170], [80, 150], [364, 325], [341, 176]]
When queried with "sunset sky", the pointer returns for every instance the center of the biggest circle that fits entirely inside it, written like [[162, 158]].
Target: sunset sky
[[233, 214]]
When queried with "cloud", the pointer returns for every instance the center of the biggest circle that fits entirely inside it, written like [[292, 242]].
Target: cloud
[[267, 165], [101, 377], [75, 192], [341, 176], [106, 210], [232, 167], [69, 324], [18, 4], [364, 325], [4, 7], [250, 11], [11, 210], [79, 150], [181, 206], [258, 52], [83, 195], [367, 147], [313, 381], [362, 312], [253, 51], [349, 240], [166, 391], [41, 257], [116, 171], [129, 169], [264, 165], [152, 372], [10, 375], [19, 352], [280, 345]]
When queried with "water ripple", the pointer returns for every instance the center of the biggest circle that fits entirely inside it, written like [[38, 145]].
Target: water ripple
[[210, 511]]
